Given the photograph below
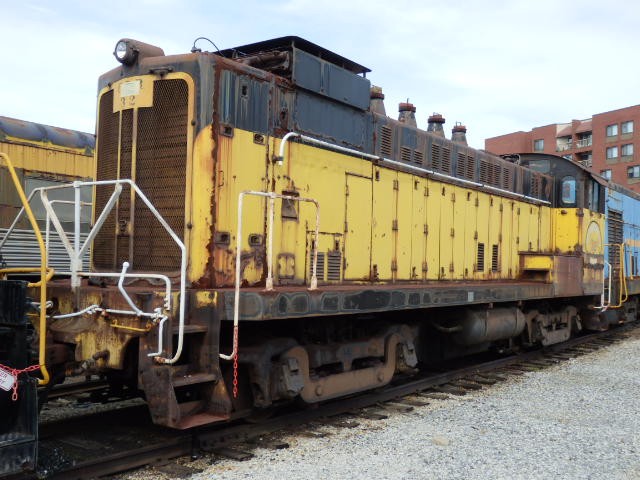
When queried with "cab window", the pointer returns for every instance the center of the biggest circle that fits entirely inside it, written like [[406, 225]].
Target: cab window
[[568, 189]]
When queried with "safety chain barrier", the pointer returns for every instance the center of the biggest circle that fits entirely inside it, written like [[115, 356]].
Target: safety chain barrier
[[9, 378]]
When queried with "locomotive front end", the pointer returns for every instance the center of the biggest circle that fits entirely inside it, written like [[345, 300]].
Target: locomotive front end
[[130, 316]]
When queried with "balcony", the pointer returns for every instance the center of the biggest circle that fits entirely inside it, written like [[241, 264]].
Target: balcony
[[584, 142], [588, 163], [561, 147]]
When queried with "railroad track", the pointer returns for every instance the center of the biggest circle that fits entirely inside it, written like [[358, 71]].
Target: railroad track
[[85, 448]]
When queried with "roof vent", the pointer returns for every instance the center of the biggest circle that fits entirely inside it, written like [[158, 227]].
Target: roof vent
[[407, 113], [435, 124], [376, 104], [459, 133]]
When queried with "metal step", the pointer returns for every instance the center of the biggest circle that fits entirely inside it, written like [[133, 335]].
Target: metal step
[[193, 379]]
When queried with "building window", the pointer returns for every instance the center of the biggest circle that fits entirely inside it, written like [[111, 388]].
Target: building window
[[538, 145], [626, 127], [633, 172], [612, 130], [627, 150], [612, 152], [606, 174]]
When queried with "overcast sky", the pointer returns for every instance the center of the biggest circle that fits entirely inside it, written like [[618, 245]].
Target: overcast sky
[[496, 66]]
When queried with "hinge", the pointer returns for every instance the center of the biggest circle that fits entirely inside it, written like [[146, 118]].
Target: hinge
[[426, 191], [451, 269], [394, 265], [394, 224], [475, 235], [453, 232], [499, 237], [453, 197], [477, 202], [346, 190], [425, 267], [396, 184], [500, 207], [426, 229], [346, 226]]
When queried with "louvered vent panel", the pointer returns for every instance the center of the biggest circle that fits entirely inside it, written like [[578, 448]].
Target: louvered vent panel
[[436, 163], [334, 266], [480, 258], [494, 178], [615, 237], [319, 267], [535, 185], [462, 165], [495, 260], [405, 154], [418, 157], [386, 141], [484, 171], [446, 160], [507, 179]]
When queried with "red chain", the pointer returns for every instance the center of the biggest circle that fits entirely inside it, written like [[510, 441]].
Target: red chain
[[235, 362], [15, 372]]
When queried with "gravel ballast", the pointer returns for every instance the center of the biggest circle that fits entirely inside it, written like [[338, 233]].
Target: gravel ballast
[[577, 420]]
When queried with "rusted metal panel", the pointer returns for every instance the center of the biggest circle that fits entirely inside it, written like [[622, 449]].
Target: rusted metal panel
[[567, 273], [316, 74]]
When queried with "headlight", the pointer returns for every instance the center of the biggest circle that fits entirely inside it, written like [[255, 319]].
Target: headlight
[[126, 52], [129, 51]]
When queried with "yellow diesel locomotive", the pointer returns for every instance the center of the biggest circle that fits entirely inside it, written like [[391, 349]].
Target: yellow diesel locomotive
[[263, 232]]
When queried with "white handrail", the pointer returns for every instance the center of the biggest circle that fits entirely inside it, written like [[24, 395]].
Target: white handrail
[[604, 305], [76, 251], [358, 153], [269, 282]]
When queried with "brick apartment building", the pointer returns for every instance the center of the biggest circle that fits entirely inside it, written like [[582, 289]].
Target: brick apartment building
[[606, 143]]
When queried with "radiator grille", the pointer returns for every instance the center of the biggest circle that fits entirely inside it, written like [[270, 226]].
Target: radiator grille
[[103, 245], [160, 172]]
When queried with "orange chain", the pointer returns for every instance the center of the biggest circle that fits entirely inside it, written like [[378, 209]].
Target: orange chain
[[235, 362], [15, 372]]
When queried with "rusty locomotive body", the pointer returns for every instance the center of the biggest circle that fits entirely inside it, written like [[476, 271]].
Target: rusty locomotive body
[[264, 232]]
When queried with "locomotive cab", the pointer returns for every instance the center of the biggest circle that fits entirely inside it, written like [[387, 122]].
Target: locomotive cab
[[575, 186]]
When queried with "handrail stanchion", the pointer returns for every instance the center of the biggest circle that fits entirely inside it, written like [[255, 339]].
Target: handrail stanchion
[[42, 333]]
